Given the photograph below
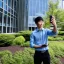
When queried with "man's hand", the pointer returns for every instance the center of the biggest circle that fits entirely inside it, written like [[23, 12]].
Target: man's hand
[[40, 46], [54, 24], [53, 21]]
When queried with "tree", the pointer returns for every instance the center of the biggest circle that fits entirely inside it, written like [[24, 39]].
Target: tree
[[55, 11]]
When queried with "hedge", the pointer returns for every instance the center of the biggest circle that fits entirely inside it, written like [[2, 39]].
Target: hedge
[[6, 39]]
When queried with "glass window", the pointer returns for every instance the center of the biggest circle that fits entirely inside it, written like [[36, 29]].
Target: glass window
[[12, 4], [1, 9], [9, 2], [5, 12], [8, 21], [16, 23], [11, 11], [0, 18], [4, 29], [5, 19], [0, 29], [8, 9], [11, 22], [13, 29], [5, 1], [15, 5], [1, 5], [5, 7], [9, 14], [8, 29]]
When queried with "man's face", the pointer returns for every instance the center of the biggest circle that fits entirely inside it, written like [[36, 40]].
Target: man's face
[[40, 24]]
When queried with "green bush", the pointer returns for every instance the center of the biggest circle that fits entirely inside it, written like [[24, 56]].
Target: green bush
[[6, 57], [23, 57], [19, 40], [55, 38], [6, 39], [61, 33], [26, 44], [25, 34], [20, 57]]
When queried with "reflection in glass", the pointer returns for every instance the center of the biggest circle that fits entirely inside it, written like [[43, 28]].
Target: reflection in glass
[[5, 1], [1, 9], [5, 12], [9, 2], [1, 4], [8, 9], [5, 7]]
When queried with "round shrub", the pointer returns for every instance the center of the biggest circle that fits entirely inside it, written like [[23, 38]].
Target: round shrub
[[25, 34], [6, 57], [6, 39], [19, 40]]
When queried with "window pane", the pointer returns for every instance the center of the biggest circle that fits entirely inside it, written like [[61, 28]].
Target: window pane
[[4, 29], [5, 12], [15, 5], [5, 1], [0, 29], [8, 21], [0, 18], [5, 7], [1, 4], [5, 19], [8, 9], [9, 2], [11, 22], [12, 4], [8, 30]]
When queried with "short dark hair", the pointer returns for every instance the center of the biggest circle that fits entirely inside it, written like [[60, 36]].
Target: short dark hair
[[37, 19]]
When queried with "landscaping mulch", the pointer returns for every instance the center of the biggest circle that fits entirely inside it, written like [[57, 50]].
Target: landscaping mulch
[[13, 49]]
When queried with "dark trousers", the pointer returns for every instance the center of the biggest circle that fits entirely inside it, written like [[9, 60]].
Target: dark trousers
[[40, 57]]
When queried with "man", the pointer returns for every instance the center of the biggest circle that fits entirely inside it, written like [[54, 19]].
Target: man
[[39, 40]]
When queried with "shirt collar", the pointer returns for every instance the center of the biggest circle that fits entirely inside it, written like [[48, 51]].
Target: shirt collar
[[40, 29]]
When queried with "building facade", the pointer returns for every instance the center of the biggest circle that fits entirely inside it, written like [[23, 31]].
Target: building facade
[[8, 16], [17, 15], [36, 8]]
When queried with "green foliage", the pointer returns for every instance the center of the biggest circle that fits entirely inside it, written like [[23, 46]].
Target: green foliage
[[55, 38], [25, 34], [26, 44], [6, 39], [57, 12], [19, 57], [6, 57], [61, 33], [56, 50], [19, 40]]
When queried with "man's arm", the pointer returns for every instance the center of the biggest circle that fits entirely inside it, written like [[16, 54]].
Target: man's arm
[[54, 24]]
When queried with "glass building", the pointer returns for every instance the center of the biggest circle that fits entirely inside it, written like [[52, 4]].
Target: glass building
[[17, 15], [8, 16], [36, 8]]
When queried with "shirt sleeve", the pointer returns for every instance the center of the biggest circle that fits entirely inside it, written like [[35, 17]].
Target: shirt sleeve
[[32, 40], [51, 33]]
